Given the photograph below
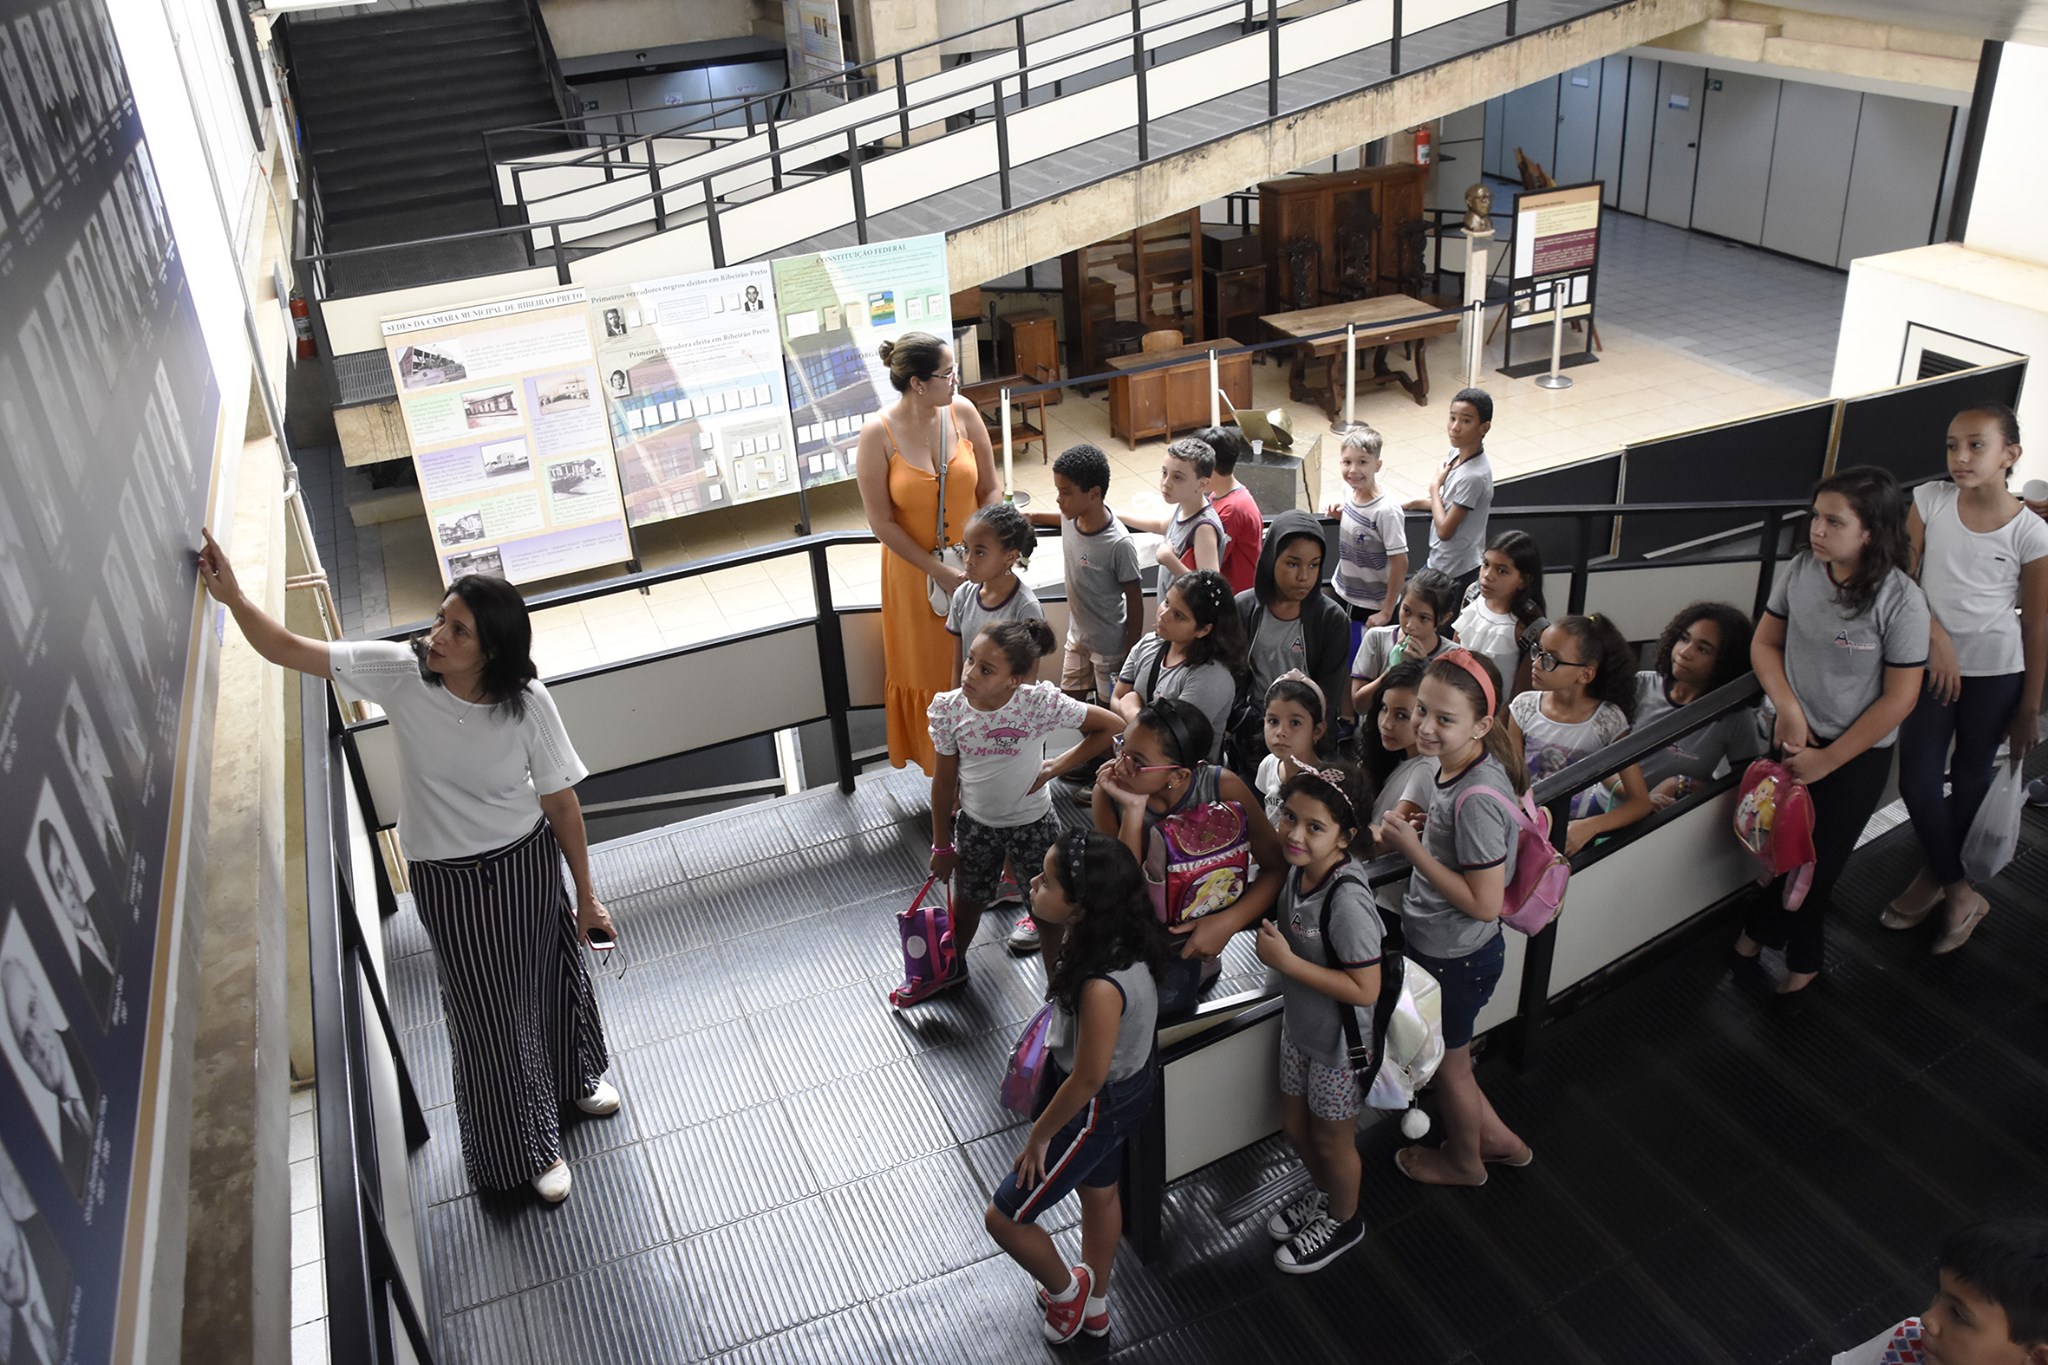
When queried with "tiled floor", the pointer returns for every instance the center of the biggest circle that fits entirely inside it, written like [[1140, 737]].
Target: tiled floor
[[798, 1172], [309, 1284], [1771, 344]]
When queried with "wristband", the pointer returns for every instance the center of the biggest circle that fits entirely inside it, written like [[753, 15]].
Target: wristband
[[942, 848]]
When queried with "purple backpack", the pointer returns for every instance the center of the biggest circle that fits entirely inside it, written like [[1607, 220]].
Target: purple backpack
[[1027, 1063]]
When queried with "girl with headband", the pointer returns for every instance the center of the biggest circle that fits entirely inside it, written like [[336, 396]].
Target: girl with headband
[[1098, 1077], [1450, 916], [1297, 717], [1326, 949]]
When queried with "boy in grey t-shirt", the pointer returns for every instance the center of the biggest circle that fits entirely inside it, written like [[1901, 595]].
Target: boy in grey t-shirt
[[1461, 498], [1105, 596]]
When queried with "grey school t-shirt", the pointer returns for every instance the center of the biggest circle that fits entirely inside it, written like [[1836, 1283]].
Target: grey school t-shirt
[[1098, 565], [1277, 646], [1735, 737], [1479, 836], [1835, 660], [1312, 1019], [967, 617], [1135, 1031], [1209, 688], [1469, 486]]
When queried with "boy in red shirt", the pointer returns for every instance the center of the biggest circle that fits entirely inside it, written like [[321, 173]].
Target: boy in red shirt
[[1236, 506]]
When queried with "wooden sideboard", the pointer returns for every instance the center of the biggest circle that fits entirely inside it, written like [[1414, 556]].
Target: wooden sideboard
[[1336, 237], [1174, 397]]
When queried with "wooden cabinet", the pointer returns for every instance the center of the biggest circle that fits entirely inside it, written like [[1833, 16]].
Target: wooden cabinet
[[1232, 301], [1143, 281], [1175, 397], [1029, 345], [1340, 237]]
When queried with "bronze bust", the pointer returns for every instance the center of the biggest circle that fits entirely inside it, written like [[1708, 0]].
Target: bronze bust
[[1478, 207]]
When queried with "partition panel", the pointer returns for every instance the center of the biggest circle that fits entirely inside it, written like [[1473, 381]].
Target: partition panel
[[1905, 429], [1044, 129], [908, 176], [1597, 480], [767, 225], [1776, 455], [1641, 601], [679, 251], [1245, 1067], [1618, 905]]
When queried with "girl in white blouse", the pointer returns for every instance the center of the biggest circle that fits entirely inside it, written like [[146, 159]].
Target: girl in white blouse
[[487, 813]]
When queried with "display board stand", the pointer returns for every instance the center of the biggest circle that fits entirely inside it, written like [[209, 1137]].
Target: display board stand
[[1554, 275]]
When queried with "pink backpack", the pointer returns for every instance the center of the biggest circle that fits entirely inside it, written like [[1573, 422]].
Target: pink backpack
[[1027, 1063], [1774, 821], [1535, 893], [1200, 861]]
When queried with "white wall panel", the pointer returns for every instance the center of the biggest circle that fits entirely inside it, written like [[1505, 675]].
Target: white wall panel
[[908, 176], [1613, 112], [1639, 129], [1047, 128], [1737, 126], [800, 211], [1642, 601], [679, 251], [1578, 124], [1810, 171], [1531, 124], [1895, 176]]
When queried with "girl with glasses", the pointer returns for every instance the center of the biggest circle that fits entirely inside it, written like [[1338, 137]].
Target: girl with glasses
[[1583, 699]]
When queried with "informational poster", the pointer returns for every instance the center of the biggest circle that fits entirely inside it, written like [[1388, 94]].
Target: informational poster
[[107, 414], [816, 53], [835, 309], [696, 392], [1556, 251], [503, 407]]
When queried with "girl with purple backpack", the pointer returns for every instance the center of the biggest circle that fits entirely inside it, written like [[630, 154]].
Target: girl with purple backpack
[[1464, 858], [1097, 1081]]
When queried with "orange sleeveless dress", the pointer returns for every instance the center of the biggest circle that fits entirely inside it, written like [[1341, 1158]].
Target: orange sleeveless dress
[[917, 650]]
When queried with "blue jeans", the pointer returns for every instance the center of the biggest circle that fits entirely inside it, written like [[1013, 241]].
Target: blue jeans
[[1467, 984], [1976, 721]]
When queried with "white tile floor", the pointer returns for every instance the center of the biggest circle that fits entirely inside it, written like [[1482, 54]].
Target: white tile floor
[[309, 1285]]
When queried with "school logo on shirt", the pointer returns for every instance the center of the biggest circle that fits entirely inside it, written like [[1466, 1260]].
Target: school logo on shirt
[[1842, 641]]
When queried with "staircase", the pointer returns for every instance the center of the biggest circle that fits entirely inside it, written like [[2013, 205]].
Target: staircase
[[393, 104]]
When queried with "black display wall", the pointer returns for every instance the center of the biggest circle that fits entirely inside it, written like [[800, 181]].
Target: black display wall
[[107, 409]]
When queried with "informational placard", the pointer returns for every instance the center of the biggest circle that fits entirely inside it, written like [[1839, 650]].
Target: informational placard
[[108, 410], [503, 407], [835, 309], [1557, 248], [696, 393], [816, 52]]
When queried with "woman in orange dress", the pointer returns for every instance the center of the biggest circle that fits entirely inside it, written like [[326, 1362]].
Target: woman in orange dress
[[896, 463]]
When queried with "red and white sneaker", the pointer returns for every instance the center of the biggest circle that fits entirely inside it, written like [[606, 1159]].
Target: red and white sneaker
[[911, 992], [1092, 1324], [1064, 1320]]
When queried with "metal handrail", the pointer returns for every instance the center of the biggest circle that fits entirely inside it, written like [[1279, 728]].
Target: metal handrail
[[660, 193]]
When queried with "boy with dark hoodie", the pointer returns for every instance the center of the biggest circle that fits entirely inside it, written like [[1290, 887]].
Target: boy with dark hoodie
[[1289, 622]]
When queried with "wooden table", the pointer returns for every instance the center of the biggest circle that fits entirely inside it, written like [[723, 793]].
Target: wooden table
[[1387, 320], [1174, 397], [987, 397]]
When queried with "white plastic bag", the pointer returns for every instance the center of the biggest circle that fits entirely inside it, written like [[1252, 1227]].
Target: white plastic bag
[[1996, 831]]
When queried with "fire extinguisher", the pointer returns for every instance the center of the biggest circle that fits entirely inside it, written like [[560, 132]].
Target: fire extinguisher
[[302, 324], [1422, 149]]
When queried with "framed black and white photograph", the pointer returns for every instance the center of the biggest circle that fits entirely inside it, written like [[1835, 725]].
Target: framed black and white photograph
[[79, 909], [79, 101], [17, 578], [173, 423], [110, 685], [146, 173], [85, 758], [85, 63], [51, 393], [29, 453], [95, 16], [49, 96], [147, 546], [92, 306], [35, 1278], [48, 1062], [14, 172], [21, 97], [78, 358], [109, 238], [124, 603], [476, 561]]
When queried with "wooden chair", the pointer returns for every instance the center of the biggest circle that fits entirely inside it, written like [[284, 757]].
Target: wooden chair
[[1166, 339], [987, 397]]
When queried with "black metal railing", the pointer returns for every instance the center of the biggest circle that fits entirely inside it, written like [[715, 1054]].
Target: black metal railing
[[368, 1298], [673, 199]]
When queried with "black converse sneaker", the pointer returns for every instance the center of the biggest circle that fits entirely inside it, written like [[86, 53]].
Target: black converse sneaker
[[1318, 1244], [1311, 1205]]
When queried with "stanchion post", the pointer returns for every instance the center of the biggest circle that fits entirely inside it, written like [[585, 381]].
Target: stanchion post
[[1478, 246], [1555, 380]]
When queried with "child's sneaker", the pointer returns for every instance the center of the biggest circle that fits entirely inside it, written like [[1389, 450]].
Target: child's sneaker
[[1008, 892], [1318, 1244], [912, 992], [2037, 792], [1311, 1205], [1024, 936], [1065, 1318], [1094, 1323]]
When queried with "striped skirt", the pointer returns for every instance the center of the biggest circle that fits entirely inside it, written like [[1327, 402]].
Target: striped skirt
[[521, 1019]]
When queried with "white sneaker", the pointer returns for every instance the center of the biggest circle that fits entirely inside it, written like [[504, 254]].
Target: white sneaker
[[1024, 936], [552, 1184], [601, 1101]]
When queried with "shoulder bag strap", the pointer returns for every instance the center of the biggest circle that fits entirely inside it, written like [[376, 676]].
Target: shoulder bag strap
[[1152, 680], [942, 459], [1359, 1046]]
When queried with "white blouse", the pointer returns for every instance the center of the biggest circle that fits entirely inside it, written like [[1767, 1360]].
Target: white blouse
[[471, 777]]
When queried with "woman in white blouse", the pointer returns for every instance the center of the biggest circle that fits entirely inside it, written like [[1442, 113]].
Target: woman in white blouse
[[487, 813]]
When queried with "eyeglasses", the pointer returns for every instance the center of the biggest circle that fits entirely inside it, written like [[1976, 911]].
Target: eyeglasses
[[1550, 663], [1116, 749], [943, 376], [604, 959]]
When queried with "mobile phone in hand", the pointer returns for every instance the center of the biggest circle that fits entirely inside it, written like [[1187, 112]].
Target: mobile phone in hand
[[600, 940]]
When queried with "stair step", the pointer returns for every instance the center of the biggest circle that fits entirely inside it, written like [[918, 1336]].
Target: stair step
[[327, 34], [345, 80], [416, 195], [424, 118]]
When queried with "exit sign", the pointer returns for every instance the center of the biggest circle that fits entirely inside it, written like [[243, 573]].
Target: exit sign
[[1714, 84]]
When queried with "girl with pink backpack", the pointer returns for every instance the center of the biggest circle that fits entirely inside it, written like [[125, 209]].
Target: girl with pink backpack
[[1465, 857], [1841, 651]]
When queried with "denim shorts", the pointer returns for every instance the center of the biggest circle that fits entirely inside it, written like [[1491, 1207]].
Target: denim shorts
[[1088, 1150], [1467, 984]]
